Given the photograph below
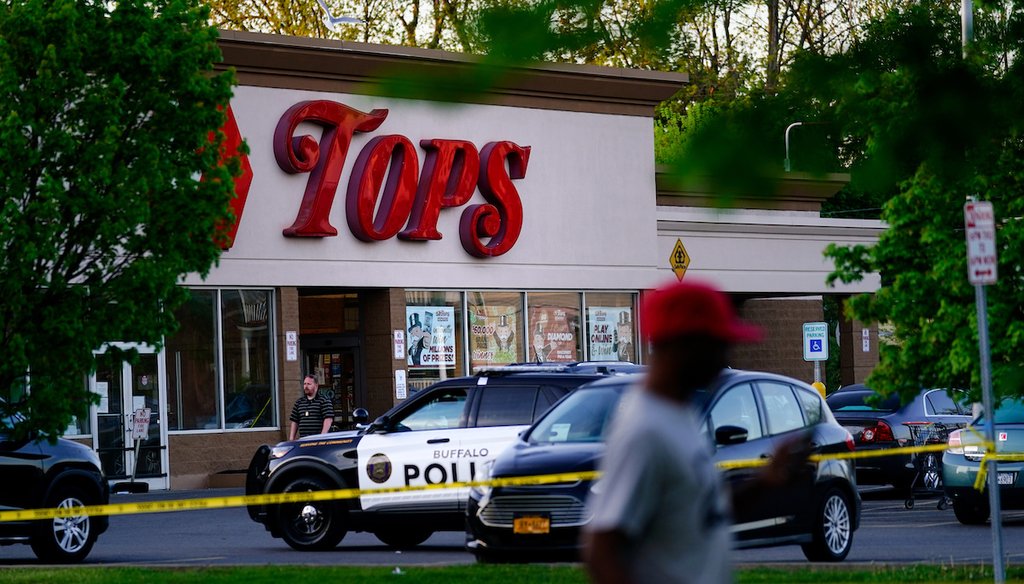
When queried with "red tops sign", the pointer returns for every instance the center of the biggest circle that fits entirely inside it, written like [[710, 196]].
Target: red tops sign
[[411, 200]]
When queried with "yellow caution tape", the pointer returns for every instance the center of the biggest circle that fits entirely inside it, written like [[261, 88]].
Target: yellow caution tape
[[754, 463], [979, 481], [343, 494], [277, 498]]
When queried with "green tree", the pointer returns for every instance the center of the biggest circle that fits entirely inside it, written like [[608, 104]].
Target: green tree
[[109, 118], [929, 129]]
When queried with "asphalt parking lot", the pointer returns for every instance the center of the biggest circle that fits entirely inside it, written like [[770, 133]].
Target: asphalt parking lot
[[889, 533]]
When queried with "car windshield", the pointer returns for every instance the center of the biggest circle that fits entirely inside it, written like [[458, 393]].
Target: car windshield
[[862, 401], [583, 416]]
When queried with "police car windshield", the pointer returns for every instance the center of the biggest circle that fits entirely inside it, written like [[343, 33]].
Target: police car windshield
[[581, 417]]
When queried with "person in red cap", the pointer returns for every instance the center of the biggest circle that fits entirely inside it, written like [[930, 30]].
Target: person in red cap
[[660, 512]]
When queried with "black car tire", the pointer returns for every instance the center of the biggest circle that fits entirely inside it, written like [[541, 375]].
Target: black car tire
[[311, 525], [832, 528], [65, 540], [971, 510], [403, 539]]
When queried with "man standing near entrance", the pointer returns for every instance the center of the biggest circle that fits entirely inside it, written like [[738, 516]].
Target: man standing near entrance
[[312, 413]]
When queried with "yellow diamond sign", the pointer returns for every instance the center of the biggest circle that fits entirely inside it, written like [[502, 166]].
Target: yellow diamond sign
[[679, 260]]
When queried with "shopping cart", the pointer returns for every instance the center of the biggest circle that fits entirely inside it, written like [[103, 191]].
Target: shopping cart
[[927, 466]]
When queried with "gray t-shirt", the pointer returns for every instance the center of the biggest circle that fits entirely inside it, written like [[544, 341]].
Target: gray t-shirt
[[661, 489]]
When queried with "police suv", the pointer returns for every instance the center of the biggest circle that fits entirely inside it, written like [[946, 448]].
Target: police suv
[[443, 434]]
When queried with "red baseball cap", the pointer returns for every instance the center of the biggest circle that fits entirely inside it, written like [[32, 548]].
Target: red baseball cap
[[680, 309]]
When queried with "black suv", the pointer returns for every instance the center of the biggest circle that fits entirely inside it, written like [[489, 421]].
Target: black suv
[[443, 434], [745, 415], [37, 474]]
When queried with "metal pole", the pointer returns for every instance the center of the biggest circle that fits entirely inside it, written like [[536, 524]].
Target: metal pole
[[990, 435], [817, 371], [966, 24], [786, 165]]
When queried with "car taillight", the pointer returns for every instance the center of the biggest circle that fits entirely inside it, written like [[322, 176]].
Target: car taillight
[[850, 444], [955, 444], [881, 432]]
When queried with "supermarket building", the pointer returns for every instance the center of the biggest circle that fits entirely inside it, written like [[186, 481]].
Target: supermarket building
[[385, 243]]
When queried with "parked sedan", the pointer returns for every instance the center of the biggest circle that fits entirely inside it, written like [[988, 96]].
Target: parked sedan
[[962, 459], [746, 414], [878, 423]]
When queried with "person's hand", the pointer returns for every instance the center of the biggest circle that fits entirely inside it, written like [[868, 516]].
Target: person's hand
[[788, 464]]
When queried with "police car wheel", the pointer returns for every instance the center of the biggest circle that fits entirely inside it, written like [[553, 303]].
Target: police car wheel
[[403, 539], [311, 525], [832, 528]]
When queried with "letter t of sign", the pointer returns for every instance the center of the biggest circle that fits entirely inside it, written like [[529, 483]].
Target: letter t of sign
[[324, 161]]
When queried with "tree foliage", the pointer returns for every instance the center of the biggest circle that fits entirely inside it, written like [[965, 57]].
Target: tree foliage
[[108, 114], [925, 129]]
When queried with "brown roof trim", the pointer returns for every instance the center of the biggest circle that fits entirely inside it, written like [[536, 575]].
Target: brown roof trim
[[794, 191], [347, 67]]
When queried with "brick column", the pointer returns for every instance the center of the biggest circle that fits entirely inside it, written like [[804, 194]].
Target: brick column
[[383, 311], [289, 373], [856, 363], [781, 349]]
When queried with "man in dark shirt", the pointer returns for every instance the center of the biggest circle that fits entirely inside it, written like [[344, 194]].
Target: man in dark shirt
[[312, 413]]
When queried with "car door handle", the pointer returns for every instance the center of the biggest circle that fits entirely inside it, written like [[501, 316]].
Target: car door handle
[[438, 441]]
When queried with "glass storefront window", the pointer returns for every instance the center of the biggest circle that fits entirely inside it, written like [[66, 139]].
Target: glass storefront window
[[191, 365], [611, 330], [495, 328], [433, 337], [220, 362], [248, 391], [554, 327], [79, 426]]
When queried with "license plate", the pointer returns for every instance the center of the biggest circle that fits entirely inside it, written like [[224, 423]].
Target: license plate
[[531, 525], [1007, 478]]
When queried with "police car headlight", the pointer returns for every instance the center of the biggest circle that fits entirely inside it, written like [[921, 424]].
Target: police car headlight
[[595, 487], [279, 451], [483, 475]]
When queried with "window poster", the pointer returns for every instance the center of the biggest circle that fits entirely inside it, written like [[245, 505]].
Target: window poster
[[610, 332], [553, 333], [430, 337], [493, 338]]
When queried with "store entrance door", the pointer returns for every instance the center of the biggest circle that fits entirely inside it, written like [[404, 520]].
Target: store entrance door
[[336, 372], [124, 388]]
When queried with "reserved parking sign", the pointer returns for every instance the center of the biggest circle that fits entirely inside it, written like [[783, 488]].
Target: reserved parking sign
[[815, 341]]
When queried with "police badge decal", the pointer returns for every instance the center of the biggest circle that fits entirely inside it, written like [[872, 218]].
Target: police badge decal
[[378, 468]]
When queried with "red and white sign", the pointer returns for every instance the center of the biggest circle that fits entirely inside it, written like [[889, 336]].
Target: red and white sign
[[140, 424], [980, 223]]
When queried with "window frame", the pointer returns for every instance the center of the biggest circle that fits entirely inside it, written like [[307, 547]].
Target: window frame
[[219, 363], [483, 390], [792, 390], [758, 406]]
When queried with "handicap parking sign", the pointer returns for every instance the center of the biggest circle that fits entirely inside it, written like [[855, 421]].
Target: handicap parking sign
[[815, 341]]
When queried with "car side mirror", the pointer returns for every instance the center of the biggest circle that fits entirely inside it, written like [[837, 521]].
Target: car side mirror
[[381, 424], [360, 416], [730, 435]]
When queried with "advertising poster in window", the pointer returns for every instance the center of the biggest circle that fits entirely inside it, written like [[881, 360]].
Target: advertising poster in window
[[610, 332], [552, 335], [492, 335], [430, 337]]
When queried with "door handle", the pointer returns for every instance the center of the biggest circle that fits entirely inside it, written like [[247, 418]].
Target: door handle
[[438, 441]]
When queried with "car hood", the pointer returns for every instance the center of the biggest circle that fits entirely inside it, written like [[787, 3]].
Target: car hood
[[331, 436], [525, 459]]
